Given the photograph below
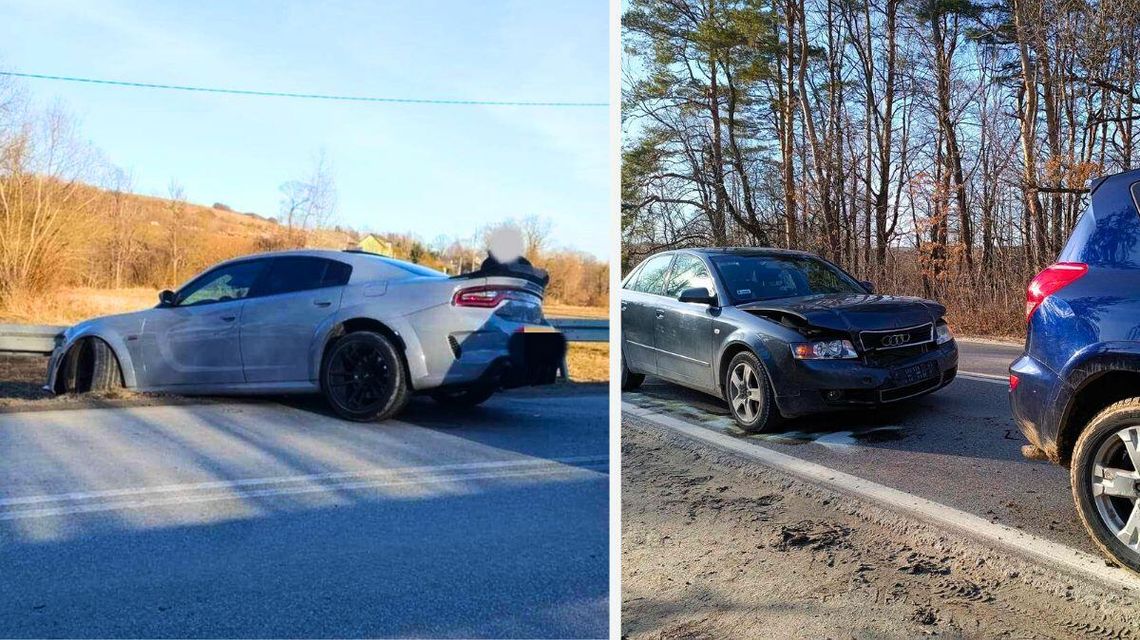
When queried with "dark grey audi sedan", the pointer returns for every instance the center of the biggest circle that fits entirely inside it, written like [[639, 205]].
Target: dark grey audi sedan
[[778, 333]]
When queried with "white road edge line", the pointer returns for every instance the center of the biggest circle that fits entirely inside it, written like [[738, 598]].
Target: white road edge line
[[178, 500], [1053, 554], [79, 496], [984, 377]]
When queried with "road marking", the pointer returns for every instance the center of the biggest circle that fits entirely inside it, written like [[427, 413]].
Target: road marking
[[1052, 554], [179, 500], [984, 377], [338, 479]]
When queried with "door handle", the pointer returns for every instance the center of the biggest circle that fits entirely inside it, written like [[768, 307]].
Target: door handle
[[322, 303], [229, 318], [623, 306], [660, 314]]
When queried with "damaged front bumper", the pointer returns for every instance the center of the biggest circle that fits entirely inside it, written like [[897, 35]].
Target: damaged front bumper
[[825, 385]]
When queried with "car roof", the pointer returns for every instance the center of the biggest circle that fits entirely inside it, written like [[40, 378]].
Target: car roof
[[748, 251], [366, 265], [1124, 176]]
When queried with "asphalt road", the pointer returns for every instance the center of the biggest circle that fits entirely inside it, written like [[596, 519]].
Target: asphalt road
[[958, 446], [242, 519]]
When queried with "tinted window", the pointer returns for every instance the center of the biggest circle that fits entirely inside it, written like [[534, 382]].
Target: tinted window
[[752, 278], [337, 274], [651, 278], [231, 282], [302, 273], [688, 271]]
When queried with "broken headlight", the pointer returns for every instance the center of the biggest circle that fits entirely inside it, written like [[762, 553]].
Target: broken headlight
[[824, 350]]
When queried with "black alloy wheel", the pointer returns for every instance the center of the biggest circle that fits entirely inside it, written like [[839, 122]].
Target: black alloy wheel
[[363, 377]]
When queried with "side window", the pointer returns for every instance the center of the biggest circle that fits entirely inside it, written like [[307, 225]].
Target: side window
[[652, 276], [302, 273], [336, 274], [688, 272], [231, 282]]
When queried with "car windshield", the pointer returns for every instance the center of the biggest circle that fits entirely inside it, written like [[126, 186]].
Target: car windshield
[[770, 277]]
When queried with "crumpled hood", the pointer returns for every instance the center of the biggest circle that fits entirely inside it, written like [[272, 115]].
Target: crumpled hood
[[853, 312]]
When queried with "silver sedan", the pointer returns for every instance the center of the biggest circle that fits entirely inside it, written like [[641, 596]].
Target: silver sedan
[[364, 330]]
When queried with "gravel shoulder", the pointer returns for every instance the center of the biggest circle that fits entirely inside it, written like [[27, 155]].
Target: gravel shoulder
[[714, 546]]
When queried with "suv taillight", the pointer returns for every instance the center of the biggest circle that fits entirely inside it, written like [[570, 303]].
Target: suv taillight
[[1051, 280], [489, 297]]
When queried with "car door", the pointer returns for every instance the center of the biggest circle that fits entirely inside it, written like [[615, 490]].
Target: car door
[[196, 341], [684, 338], [639, 298], [279, 323]]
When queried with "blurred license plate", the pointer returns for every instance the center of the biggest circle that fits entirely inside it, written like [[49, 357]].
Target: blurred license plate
[[915, 373]]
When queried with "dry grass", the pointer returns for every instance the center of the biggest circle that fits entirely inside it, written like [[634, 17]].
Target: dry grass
[[555, 310], [589, 361], [70, 305]]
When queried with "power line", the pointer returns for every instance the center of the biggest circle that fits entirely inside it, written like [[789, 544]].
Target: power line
[[305, 96]]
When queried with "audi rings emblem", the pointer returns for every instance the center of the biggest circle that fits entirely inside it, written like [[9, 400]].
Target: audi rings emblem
[[896, 340]]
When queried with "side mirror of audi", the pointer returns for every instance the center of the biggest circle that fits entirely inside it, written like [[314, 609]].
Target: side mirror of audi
[[700, 295], [868, 285], [167, 298]]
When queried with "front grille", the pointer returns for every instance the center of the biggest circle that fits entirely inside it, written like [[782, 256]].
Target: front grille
[[897, 338], [891, 357]]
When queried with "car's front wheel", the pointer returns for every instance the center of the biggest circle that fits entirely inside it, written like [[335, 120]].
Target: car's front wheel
[[363, 377], [1105, 475], [749, 394], [89, 366]]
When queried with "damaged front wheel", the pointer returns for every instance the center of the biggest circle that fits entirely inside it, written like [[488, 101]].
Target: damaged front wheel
[[89, 366]]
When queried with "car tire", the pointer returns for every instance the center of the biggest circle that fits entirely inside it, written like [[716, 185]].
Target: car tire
[[630, 381], [1105, 443], [90, 366], [463, 397], [363, 377], [749, 393]]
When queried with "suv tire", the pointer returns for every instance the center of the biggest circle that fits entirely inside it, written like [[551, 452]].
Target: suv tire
[[1103, 443]]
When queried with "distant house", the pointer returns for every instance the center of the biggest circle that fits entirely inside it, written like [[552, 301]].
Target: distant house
[[372, 244]]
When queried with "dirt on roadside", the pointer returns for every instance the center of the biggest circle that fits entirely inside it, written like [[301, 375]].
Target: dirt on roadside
[[714, 546]]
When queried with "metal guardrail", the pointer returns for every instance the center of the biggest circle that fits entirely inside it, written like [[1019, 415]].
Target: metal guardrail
[[28, 339], [577, 330], [39, 339]]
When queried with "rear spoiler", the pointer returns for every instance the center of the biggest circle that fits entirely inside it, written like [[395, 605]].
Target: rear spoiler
[[520, 268]]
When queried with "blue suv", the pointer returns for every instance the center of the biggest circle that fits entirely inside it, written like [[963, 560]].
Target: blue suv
[[1075, 391]]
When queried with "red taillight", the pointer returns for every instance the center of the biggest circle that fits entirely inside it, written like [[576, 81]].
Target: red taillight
[[489, 297], [1051, 280], [1013, 380]]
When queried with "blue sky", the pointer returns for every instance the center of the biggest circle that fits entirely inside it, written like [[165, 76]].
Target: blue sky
[[429, 170]]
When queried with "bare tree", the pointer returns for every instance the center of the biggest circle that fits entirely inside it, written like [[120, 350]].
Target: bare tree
[[177, 230], [124, 226], [309, 203]]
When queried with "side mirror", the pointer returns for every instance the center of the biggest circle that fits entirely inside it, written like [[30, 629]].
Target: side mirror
[[870, 286], [700, 295], [167, 298]]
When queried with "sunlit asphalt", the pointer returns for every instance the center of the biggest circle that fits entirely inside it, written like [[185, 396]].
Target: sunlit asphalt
[[269, 519]]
